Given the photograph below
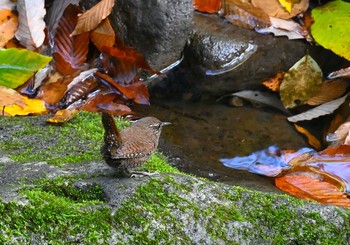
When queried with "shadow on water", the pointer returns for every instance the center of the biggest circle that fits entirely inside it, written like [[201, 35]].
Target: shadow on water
[[203, 132]]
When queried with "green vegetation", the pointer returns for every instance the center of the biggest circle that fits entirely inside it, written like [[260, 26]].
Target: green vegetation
[[74, 142]]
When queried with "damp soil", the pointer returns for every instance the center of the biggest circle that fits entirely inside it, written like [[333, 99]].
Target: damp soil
[[203, 132]]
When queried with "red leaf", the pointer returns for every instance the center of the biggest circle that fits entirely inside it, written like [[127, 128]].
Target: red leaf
[[69, 52], [306, 187], [122, 63], [136, 91], [208, 6]]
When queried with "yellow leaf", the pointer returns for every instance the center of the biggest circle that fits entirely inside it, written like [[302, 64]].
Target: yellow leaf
[[287, 5], [62, 116], [34, 106]]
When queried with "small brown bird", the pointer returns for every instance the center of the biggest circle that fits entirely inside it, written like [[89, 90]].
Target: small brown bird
[[129, 148]]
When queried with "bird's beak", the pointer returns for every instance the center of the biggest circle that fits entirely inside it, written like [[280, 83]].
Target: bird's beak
[[165, 123]]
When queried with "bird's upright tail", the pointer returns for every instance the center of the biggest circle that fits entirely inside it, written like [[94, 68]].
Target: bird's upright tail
[[112, 136]]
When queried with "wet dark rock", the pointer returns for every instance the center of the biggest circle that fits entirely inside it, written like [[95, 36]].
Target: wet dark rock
[[159, 28], [222, 58]]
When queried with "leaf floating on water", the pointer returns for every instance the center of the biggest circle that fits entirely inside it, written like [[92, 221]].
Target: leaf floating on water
[[330, 90], [324, 109], [306, 187], [302, 81], [331, 27]]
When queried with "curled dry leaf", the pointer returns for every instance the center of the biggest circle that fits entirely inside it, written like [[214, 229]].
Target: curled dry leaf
[[31, 26], [324, 109], [244, 14], [340, 73], [341, 135], [311, 139], [8, 26], [302, 81], [330, 90], [93, 17], [69, 52], [208, 6], [275, 9], [62, 116], [281, 27], [10, 97], [103, 35]]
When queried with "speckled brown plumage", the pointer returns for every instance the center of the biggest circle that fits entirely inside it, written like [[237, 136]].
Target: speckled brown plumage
[[129, 148]]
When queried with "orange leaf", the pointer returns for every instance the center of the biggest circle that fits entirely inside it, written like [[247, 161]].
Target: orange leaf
[[273, 83], [62, 116], [34, 106], [8, 26], [103, 35], [53, 92], [136, 91], [244, 14], [306, 187], [69, 52], [93, 17], [330, 90], [9, 96], [208, 6], [312, 140]]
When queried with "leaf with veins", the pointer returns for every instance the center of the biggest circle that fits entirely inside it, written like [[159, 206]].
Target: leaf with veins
[[30, 32]]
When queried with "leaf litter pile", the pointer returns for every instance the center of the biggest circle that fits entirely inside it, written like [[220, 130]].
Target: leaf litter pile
[[302, 93], [61, 60], [67, 62]]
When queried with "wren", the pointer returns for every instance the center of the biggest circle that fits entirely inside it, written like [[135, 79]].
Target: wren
[[129, 148]]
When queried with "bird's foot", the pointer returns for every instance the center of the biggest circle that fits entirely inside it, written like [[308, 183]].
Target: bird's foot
[[139, 174]]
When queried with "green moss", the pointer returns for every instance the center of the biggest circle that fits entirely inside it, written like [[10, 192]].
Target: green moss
[[76, 141], [158, 163]]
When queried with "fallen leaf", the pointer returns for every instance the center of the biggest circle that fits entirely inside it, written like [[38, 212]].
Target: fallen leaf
[[69, 52], [274, 82], [244, 14], [312, 140], [331, 27], [33, 106], [341, 135], [306, 187], [321, 110], [208, 6], [302, 81], [276, 9], [55, 13], [330, 90], [62, 116], [103, 35], [136, 91], [10, 97], [30, 32], [8, 26], [18, 65], [281, 27], [93, 17], [345, 73]]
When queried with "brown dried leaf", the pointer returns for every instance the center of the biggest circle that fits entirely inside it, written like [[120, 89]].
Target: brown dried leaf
[[330, 90], [9, 96], [306, 187], [53, 91], [244, 14], [103, 35], [275, 9], [340, 73], [8, 26], [69, 52], [93, 17], [312, 140], [30, 32]]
